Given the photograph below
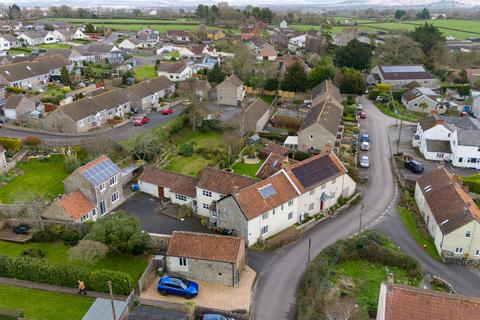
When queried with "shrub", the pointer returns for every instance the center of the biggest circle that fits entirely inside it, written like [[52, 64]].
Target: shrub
[[121, 233], [32, 142], [63, 274], [186, 150], [33, 253], [56, 232], [15, 90], [14, 144], [71, 162], [88, 251]]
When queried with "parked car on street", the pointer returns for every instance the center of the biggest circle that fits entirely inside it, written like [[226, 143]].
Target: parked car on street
[[141, 120], [177, 286], [365, 146], [23, 228], [362, 115], [359, 107], [364, 137], [215, 316], [167, 111], [414, 165], [364, 162]]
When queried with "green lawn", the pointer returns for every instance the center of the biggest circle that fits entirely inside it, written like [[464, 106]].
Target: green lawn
[[157, 27], [44, 305], [210, 139], [403, 113], [19, 51], [172, 54], [56, 45], [45, 177], [245, 169], [411, 223], [268, 99], [58, 253], [145, 72], [189, 166]]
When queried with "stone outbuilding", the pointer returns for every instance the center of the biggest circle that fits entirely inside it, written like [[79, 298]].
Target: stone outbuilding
[[207, 257]]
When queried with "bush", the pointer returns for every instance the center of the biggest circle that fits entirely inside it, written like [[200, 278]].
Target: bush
[[33, 253], [63, 274], [15, 90], [186, 150], [88, 251], [32, 142], [14, 144], [56, 232], [71, 162]]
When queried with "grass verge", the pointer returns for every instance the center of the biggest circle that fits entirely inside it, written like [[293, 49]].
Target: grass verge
[[412, 224]]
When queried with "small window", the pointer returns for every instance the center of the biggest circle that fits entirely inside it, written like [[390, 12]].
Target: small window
[[207, 193], [113, 180], [311, 206], [460, 159], [180, 197], [206, 206], [264, 230], [290, 203], [290, 216], [459, 250], [101, 187], [94, 211], [281, 207], [265, 216], [311, 136], [84, 217], [477, 253], [182, 262], [467, 234], [115, 196]]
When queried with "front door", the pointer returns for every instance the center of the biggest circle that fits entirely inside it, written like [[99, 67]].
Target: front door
[[160, 192], [321, 205]]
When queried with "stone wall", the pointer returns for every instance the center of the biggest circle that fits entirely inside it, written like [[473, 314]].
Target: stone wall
[[159, 242], [206, 270]]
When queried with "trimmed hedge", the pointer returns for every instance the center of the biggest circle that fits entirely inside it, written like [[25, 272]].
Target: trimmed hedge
[[374, 93], [14, 144], [472, 182], [62, 274]]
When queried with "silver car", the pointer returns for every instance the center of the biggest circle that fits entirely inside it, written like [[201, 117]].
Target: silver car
[[364, 162], [365, 146]]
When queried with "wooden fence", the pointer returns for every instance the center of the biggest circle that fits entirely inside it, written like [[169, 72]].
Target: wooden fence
[[261, 92]]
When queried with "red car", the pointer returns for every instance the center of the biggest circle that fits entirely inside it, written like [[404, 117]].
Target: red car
[[167, 111], [141, 121], [362, 115]]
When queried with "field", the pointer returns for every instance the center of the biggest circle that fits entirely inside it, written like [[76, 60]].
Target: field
[[44, 305], [45, 177], [129, 20], [145, 72], [58, 253]]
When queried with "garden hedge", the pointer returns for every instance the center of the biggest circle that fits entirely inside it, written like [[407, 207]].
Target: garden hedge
[[14, 144], [472, 182], [62, 274]]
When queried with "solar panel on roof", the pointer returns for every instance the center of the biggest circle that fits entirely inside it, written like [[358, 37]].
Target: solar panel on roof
[[101, 172], [314, 172], [267, 191], [400, 69]]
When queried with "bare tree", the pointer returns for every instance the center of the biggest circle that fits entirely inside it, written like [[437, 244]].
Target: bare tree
[[195, 110], [35, 200]]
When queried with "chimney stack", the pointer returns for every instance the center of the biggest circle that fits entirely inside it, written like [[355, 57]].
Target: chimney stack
[[390, 281]]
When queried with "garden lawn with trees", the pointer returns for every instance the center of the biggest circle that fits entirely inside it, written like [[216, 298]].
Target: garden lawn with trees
[[145, 72], [44, 177], [44, 305]]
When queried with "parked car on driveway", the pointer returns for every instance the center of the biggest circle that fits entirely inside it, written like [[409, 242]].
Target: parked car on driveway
[[167, 111], [177, 286], [215, 316], [364, 162], [365, 146], [362, 115], [414, 165], [140, 121], [23, 228]]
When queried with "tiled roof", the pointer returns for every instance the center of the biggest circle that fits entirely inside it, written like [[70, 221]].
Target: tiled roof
[[272, 147], [204, 246], [253, 203], [430, 121], [177, 183], [222, 182], [438, 146], [272, 165], [234, 80], [327, 87], [327, 113], [450, 205], [149, 87], [172, 67], [418, 92], [13, 101], [76, 204], [409, 303], [178, 33]]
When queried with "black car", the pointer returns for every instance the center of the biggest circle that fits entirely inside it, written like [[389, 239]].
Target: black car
[[22, 229], [414, 166]]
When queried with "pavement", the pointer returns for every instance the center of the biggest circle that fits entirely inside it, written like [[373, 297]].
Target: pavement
[[116, 134], [144, 207], [143, 312], [212, 295], [280, 272]]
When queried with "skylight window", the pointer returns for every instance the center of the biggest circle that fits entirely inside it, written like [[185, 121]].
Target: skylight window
[[428, 188], [267, 191]]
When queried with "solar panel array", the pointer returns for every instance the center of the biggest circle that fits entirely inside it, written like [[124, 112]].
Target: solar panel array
[[101, 172], [316, 171], [399, 69], [267, 191]]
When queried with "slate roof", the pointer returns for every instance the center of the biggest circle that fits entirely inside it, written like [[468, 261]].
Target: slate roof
[[234, 80], [13, 101], [204, 246], [23, 70], [149, 87], [327, 113], [253, 112], [90, 105], [222, 182], [172, 67], [253, 204], [450, 205], [177, 183], [8, 37], [76, 204], [442, 146], [410, 303], [416, 93], [328, 87]]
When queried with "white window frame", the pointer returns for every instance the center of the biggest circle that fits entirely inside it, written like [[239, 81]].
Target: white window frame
[[459, 250], [182, 261], [102, 187], [180, 197], [468, 234], [290, 203], [207, 193], [206, 206], [311, 206], [116, 196], [477, 253], [265, 216], [115, 180], [264, 230]]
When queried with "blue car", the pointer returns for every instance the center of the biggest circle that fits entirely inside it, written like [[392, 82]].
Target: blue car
[[364, 137], [214, 316], [177, 286]]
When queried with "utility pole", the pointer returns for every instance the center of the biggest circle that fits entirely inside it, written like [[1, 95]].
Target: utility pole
[[309, 250], [111, 299], [362, 206], [399, 134]]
